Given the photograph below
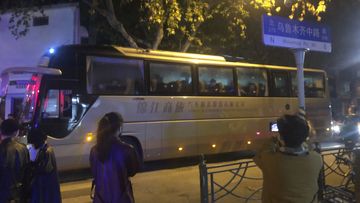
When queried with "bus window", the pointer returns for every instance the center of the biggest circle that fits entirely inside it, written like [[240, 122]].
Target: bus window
[[313, 83], [170, 79], [279, 82], [51, 105], [252, 82], [216, 81], [58, 104], [106, 75]]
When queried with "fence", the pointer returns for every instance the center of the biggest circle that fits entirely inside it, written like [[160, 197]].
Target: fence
[[241, 180]]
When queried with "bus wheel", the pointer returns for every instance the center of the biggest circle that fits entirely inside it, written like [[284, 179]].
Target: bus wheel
[[136, 144]]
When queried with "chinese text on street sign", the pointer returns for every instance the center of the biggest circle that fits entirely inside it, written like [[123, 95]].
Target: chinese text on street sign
[[284, 32]]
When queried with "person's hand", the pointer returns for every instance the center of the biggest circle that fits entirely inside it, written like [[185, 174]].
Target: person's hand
[[278, 141]]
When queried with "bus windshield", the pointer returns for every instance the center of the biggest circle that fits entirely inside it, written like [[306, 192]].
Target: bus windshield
[[30, 98]]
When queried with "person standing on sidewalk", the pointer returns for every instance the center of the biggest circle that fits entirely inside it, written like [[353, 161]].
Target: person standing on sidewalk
[[14, 157], [112, 162], [44, 186], [290, 170]]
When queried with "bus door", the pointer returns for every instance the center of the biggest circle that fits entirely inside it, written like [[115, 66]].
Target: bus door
[[280, 88], [60, 107]]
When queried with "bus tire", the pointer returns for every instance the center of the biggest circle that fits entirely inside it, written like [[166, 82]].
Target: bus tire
[[137, 146]]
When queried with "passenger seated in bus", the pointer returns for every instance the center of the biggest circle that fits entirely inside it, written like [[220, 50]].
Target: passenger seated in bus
[[252, 90], [179, 86], [310, 90], [153, 85], [221, 88], [115, 87], [171, 87], [186, 83], [262, 90], [214, 87], [202, 87], [290, 169], [130, 87], [241, 91], [101, 87]]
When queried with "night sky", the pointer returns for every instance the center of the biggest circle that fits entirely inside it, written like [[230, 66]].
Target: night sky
[[343, 17]]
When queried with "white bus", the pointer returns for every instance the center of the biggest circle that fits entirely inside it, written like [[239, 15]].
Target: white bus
[[174, 104]]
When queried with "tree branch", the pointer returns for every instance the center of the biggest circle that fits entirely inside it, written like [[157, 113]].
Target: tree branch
[[145, 43], [189, 39], [109, 14], [159, 36]]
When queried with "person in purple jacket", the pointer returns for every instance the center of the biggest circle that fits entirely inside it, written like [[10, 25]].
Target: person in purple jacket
[[113, 162]]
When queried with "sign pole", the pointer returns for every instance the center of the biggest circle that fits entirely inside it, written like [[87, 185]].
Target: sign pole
[[300, 58]]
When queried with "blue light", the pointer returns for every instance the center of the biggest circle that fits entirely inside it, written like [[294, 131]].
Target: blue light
[[51, 50]]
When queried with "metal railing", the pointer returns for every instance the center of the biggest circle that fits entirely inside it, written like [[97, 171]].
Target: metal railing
[[242, 180], [223, 180]]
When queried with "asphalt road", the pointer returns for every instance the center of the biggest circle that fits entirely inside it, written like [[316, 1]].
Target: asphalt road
[[179, 185], [176, 181]]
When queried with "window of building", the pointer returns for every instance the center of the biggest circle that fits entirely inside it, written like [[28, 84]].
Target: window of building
[[41, 20], [170, 79], [216, 81], [106, 75], [252, 82]]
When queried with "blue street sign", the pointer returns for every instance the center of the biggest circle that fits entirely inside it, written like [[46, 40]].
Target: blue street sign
[[284, 32]]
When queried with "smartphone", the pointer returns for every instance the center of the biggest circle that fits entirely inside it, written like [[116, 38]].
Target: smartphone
[[273, 127]]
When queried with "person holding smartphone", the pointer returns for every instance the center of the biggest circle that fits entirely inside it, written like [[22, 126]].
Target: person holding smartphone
[[290, 170]]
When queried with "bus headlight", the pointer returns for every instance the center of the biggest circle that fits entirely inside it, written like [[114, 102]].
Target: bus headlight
[[336, 127]]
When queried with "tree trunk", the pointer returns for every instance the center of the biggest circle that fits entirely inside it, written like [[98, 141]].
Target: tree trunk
[[188, 41], [117, 25], [109, 14], [159, 36]]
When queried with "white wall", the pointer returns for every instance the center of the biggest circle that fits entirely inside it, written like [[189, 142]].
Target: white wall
[[63, 28]]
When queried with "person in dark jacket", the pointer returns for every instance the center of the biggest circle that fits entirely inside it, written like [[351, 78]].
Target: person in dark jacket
[[112, 162], [45, 185], [14, 157]]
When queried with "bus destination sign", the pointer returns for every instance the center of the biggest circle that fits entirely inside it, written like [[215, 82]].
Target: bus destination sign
[[284, 32]]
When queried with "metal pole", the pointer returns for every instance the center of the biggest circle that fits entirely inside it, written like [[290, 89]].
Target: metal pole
[[300, 58], [204, 193], [356, 168], [321, 178]]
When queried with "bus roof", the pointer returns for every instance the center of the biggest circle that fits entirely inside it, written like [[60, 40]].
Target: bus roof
[[170, 56]]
